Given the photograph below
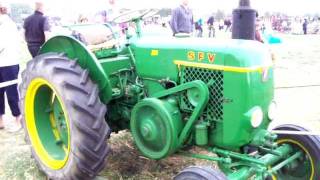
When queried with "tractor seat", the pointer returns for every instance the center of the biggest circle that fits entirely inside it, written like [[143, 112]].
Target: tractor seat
[[105, 45], [96, 36]]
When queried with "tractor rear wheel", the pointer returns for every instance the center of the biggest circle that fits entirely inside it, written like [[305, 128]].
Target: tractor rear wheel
[[306, 167], [200, 173], [63, 118]]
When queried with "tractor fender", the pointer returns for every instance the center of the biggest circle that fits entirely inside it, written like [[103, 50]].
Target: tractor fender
[[75, 50]]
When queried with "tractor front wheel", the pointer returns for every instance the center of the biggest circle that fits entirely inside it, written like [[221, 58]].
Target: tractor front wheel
[[63, 118], [200, 173], [307, 167]]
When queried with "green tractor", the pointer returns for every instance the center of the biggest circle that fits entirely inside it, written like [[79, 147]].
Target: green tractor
[[171, 93]]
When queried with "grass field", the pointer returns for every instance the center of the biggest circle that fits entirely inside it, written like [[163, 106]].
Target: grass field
[[297, 72]]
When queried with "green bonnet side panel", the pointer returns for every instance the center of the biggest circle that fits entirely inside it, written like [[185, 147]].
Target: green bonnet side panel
[[75, 50]]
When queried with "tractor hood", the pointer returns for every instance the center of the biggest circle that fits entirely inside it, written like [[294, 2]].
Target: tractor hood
[[236, 53]]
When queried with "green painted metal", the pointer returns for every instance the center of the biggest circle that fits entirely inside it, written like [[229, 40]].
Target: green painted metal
[[115, 67], [154, 82], [241, 91], [264, 138], [296, 166], [265, 162], [246, 91], [44, 108], [260, 167], [104, 53], [155, 126], [141, 136], [239, 156], [201, 134], [203, 100], [205, 157], [276, 168], [75, 50], [60, 121]]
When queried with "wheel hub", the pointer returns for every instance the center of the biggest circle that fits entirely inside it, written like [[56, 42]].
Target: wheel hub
[[149, 131], [47, 124], [155, 126]]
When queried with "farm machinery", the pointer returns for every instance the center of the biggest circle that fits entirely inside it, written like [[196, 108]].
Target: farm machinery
[[171, 93]]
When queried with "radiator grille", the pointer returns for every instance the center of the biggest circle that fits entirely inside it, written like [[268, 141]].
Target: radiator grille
[[214, 79]]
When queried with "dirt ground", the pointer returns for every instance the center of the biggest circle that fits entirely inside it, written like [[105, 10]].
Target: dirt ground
[[297, 79]]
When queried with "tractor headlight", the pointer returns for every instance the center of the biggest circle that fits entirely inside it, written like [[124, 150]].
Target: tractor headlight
[[272, 110], [256, 117]]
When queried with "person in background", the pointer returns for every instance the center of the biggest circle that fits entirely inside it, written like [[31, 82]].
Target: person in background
[[108, 13], [263, 28], [82, 19], [9, 67], [211, 28], [36, 29], [182, 19], [305, 26], [258, 35], [198, 27], [317, 26], [228, 24], [221, 25]]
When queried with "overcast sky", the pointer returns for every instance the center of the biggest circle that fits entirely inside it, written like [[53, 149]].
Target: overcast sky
[[293, 7]]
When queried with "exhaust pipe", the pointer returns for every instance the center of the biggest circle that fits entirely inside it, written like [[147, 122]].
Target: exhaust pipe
[[243, 21]]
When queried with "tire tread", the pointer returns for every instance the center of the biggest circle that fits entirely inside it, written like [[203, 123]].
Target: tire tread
[[81, 97]]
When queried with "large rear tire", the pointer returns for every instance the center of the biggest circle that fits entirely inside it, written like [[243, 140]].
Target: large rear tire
[[306, 167], [63, 118]]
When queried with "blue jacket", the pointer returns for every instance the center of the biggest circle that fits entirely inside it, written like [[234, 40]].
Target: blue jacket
[[181, 20]]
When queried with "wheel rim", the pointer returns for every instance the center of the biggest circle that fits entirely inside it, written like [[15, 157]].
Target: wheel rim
[[47, 124], [302, 168]]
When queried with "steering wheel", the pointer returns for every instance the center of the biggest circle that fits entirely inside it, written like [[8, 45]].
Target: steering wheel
[[133, 15]]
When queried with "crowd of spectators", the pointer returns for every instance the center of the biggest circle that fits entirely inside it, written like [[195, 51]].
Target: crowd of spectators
[[293, 25]]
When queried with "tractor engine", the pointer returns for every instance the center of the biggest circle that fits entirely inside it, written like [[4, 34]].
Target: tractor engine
[[238, 76]]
